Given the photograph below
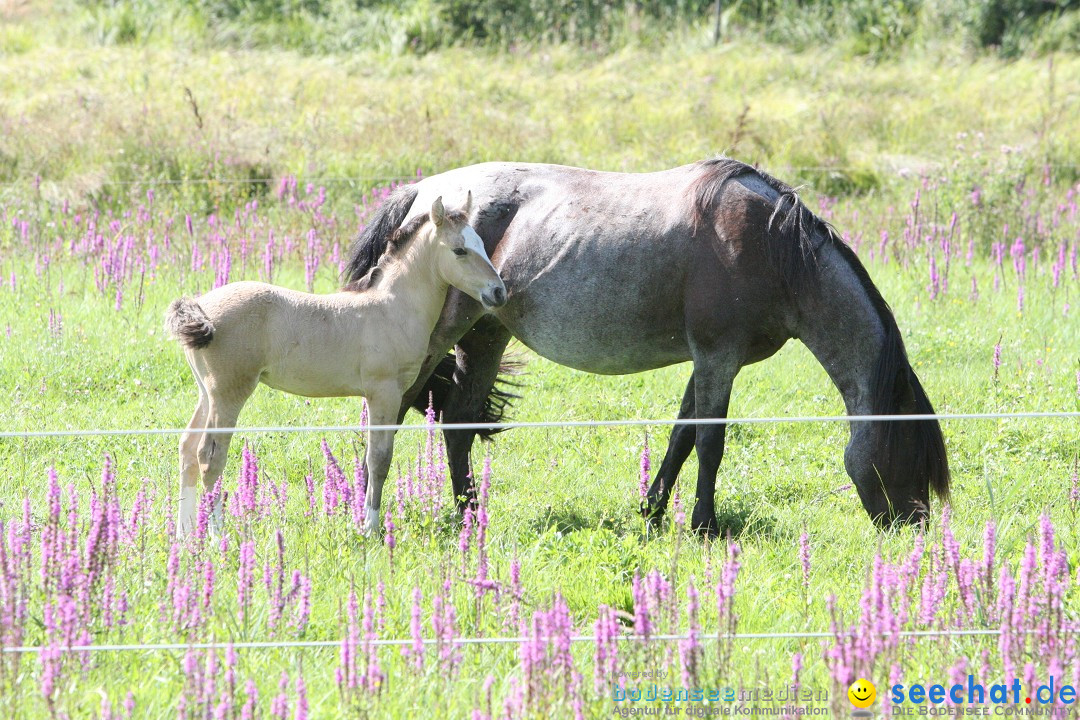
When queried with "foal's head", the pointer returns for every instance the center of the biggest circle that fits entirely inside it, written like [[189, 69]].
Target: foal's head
[[460, 257]]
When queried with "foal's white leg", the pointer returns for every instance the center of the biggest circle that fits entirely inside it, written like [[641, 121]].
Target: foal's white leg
[[189, 468], [189, 461], [383, 406], [214, 451]]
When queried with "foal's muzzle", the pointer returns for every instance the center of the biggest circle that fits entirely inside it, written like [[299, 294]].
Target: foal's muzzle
[[496, 297]]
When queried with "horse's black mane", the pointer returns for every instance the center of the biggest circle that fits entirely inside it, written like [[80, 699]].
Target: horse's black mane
[[789, 236], [393, 244], [385, 236]]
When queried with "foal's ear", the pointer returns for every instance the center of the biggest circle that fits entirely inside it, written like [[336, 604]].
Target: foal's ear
[[438, 212], [468, 203]]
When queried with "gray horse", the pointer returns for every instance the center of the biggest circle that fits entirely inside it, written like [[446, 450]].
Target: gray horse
[[713, 262]]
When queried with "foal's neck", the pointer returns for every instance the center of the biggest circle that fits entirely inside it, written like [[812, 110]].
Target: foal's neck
[[412, 283]]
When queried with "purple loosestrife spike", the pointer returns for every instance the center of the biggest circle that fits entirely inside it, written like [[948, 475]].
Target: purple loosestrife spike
[[246, 576], [208, 586], [997, 358], [279, 706], [465, 536], [935, 283], [1074, 490], [986, 566], [725, 589], [347, 672], [642, 619], [359, 493], [690, 649], [303, 605], [678, 513], [334, 480], [796, 672], [516, 593], [389, 538], [804, 558], [380, 605], [646, 466], [415, 653], [301, 698], [606, 651], [309, 484], [373, 677]]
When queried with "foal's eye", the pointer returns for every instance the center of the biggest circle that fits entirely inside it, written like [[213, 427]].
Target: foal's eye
[[460, 252]]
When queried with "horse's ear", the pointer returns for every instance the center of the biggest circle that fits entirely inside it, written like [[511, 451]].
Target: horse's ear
[[468, 203], [438, 212]]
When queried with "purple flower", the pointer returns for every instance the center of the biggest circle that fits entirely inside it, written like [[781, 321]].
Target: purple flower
[[646, 466], [415, 653], [804, 558], [606, 657], [690, 648]]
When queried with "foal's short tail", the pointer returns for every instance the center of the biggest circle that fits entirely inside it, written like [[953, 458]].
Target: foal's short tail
[[187, 322]]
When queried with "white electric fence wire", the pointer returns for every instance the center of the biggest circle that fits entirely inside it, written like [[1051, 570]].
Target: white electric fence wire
[[315, 644], [507, 426], [544, 424]]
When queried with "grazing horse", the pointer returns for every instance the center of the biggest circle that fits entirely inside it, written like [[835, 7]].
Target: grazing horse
[[713, 262], [369, 339]]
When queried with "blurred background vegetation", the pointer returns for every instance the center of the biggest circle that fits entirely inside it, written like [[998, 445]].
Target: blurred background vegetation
[[218, 100], [871, 27]]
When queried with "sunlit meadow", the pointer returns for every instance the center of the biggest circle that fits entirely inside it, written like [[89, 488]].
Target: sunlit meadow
[[976, 251]]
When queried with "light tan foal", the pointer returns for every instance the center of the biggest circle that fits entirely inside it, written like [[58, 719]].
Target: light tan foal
[[368, 341]]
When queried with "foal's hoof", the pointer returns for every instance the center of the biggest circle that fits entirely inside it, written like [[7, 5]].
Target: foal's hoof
[[372, 527]]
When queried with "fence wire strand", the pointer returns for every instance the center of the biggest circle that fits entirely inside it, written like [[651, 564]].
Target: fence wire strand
[[541, 424], [401, 642]]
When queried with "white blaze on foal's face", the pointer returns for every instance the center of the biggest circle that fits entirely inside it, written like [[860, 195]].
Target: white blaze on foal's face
[[466, 264]]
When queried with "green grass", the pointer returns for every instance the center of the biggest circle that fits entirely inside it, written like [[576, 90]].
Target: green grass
[[563, 500]]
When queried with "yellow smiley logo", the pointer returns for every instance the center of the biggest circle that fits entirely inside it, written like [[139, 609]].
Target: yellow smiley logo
[[862, 693]]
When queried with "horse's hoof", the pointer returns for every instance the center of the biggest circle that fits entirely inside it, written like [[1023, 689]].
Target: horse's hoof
[[706, 525], [652, 514]]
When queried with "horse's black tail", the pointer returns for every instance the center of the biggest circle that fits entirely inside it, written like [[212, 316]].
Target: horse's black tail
[[495, 405], [186, 321], [372, 241]]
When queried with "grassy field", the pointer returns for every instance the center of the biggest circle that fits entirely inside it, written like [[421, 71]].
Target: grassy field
[[121, 191]]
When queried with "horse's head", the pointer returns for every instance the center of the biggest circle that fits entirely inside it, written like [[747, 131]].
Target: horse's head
[[904, 460], [461, 257]]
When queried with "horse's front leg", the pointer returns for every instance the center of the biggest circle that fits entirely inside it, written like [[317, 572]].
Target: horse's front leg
[[383, 405], [479, 358], [679, 446], [713, 376]]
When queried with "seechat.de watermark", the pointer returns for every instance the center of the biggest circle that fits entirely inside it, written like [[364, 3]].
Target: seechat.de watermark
[[972, 698]]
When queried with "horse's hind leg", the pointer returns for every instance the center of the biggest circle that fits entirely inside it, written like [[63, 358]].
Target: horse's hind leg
[[189, 460], [679, 446], [213, 451], [189, 467]]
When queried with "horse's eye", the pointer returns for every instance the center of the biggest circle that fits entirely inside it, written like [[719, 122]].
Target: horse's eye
[[460, 252]]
